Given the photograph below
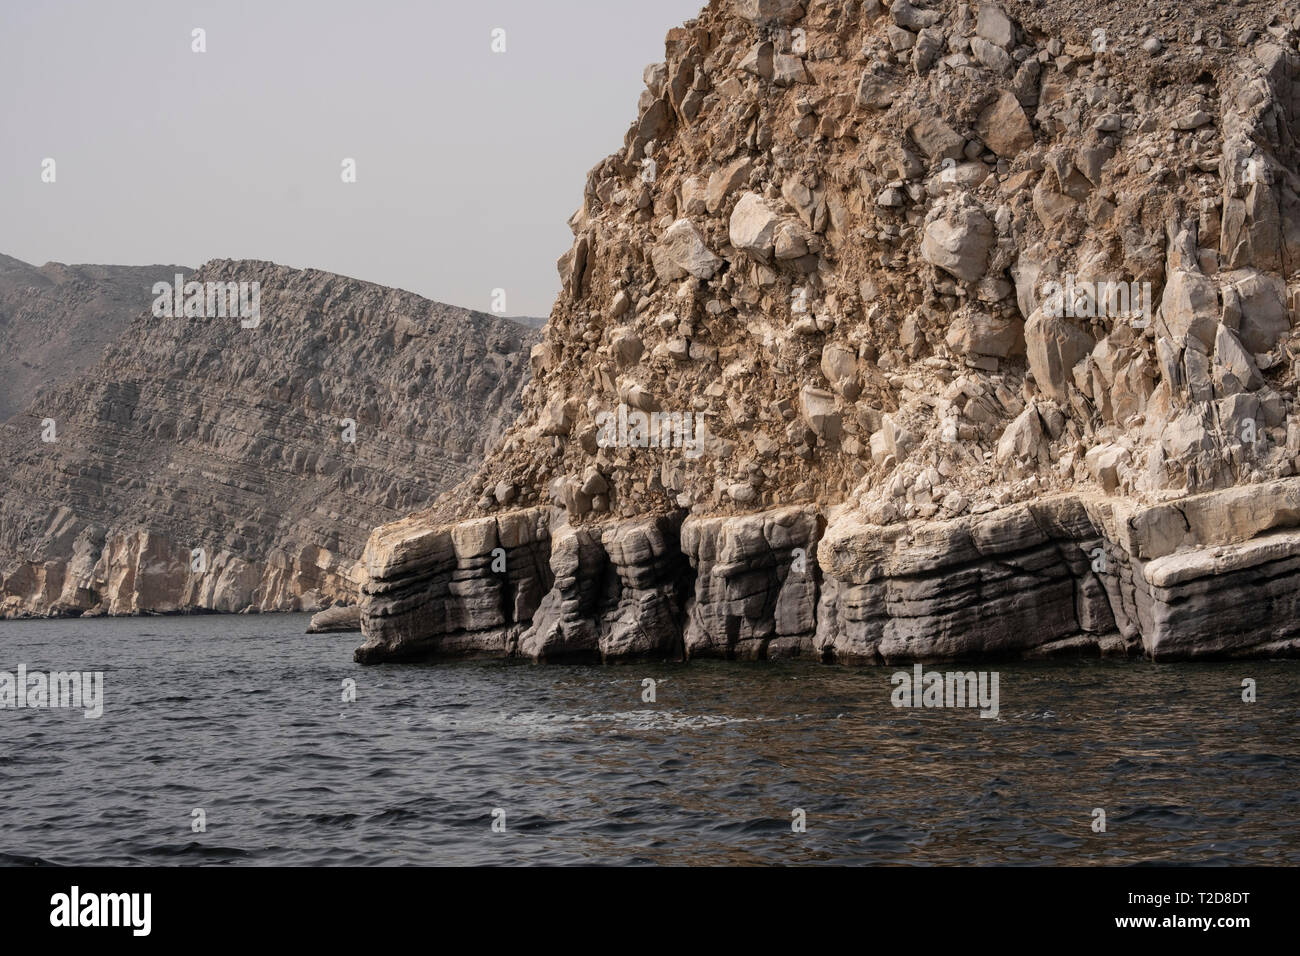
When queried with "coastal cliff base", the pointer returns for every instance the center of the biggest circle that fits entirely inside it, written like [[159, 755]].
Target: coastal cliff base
[[1208, 576]]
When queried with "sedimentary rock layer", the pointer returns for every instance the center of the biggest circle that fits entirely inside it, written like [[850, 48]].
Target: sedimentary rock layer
[[468, 590], [344, 618], [204, 465], [1066, 575]]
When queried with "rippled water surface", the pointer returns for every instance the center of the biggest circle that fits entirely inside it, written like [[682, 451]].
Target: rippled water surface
[[243, 717]]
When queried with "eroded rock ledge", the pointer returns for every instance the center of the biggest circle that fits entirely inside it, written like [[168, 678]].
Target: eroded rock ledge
[[1207, 576]]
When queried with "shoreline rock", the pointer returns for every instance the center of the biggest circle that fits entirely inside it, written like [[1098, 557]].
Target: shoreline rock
[[1210, 576], [436, 590], [336, 620]]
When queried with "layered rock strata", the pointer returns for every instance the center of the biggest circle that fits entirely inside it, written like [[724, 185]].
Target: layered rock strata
[[344, 618], [201, 465], [1211, 576], [464, 591]]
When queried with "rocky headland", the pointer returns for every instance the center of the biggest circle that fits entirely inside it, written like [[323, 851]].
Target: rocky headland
[[904, 331]]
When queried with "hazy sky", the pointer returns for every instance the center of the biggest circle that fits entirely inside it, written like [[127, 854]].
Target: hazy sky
[[469, 162]]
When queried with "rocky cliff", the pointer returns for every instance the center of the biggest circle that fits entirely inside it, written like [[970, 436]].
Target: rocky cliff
[[57, 319], [898, 331], [227, 463]]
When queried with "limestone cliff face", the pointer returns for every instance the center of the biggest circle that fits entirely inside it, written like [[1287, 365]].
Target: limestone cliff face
[[58, 319], [203, 465], [1208, 576], [960, 292]]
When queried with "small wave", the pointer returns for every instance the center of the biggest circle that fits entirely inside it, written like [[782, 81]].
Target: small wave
[[649, 720], [191, 849]]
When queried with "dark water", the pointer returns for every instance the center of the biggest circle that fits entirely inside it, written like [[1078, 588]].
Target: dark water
[[244, 718]]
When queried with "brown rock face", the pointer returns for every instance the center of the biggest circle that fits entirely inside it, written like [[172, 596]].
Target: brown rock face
[[947, 255], [205, 465], [58, 319], [1005, 128]]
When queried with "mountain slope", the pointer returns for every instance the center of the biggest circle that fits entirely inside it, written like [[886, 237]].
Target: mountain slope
[[204, 465], [57, 319]]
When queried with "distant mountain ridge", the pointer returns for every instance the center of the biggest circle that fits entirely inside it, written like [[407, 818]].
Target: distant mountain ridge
[[56, 319], [200, 465]]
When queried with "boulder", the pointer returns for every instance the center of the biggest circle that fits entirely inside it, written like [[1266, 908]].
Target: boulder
[[723, 181], [937, 139], [1239, 415], [1189, 310], [764, 12], [958, 240], [1053, 347], [626, 346], [1185, 437], [911, 17], [787, 70], [1261, 299], [758, 60], [991, 55], [875, 92], [1004, 127], [555, 419], [692, 197], [752, 227], [1103, 463], [1054, 208], [681, 252], [994, 26], [839, 363], [895, 439], [978, 333], [929, 44], [336, 620], [1023, 439], [818, 408], [790, 242], [1234, 370]]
